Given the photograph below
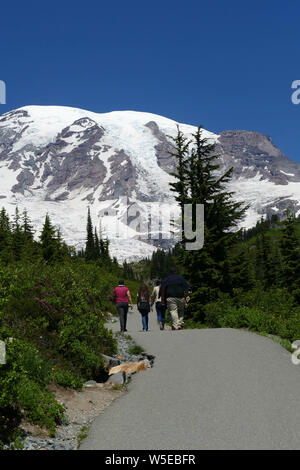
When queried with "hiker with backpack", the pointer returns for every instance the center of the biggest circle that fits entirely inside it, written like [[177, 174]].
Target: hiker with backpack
[[144, 305], [160, 308], [172, 291], [122, 298]]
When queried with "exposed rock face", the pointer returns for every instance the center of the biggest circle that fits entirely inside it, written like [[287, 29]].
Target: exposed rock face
[[251, 152], [72, 161], [163, 148], [62, 160], [123, 177]]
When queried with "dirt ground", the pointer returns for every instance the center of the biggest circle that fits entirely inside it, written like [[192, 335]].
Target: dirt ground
[[81, 406]]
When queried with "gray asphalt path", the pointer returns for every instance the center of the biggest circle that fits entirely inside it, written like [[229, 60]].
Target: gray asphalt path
[[208, 389]]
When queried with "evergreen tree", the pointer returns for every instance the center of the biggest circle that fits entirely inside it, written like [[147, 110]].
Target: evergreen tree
[[5, 237], [290, 250], [17, 236], [270, 264], [29, 246], [90, 241], [104, 247], [160, 264], [181, 150], [97, 245], [48, 240], [62, 249], [27, 228], [241, 271], [259, 259], [207, 269]]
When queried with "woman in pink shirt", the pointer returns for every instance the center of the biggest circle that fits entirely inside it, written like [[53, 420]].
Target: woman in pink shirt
[[122, 297]]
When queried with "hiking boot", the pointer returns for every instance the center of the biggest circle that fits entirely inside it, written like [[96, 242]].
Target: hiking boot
[[161, 326]]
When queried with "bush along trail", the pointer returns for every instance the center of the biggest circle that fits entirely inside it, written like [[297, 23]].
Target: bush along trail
[[53, 313], [81, 406]]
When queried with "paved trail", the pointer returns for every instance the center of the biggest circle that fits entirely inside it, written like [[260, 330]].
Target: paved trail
[[209, 389]]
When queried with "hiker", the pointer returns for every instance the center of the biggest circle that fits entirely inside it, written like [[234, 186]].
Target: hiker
[[144, 305], [160, 308], [172, 292], [122, 297]]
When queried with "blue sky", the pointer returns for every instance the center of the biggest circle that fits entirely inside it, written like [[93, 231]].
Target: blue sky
[[221, 64]]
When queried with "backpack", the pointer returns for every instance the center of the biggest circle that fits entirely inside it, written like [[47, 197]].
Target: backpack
[[144, 305]]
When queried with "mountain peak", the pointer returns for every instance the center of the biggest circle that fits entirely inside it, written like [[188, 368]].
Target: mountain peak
[[61, 160]]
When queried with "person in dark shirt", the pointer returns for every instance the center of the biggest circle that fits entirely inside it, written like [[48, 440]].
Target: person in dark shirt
[[172, 291]]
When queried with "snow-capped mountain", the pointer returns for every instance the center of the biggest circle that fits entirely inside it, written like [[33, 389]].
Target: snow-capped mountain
[[61, 160]]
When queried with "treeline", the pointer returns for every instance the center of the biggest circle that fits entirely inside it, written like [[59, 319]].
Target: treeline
[[158, 266], [261, 226], [17, 241], [97, 245], [270, 258]]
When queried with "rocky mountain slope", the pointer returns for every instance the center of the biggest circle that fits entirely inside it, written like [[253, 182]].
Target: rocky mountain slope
[[61, 160]]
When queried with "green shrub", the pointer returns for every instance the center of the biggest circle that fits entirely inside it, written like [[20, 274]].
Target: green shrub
[[38, 404], [275, 301], [272, 312], [67, 379], [56, 316], [23, 383], [61, 309], [135, 349], [10, 418]]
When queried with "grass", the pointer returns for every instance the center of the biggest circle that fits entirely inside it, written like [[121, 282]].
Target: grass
[[285, 343], [190, 325], [83, 434], [135, 349], [119, 387]]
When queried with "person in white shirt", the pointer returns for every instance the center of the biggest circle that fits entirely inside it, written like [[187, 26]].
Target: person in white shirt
[[160, 308]]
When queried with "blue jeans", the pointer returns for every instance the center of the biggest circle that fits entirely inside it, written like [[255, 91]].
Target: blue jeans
[[145, 321], [161, 313]]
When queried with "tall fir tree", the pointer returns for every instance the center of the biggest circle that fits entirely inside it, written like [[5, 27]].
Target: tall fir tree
[[27, 228], [6, 253], [198, 183], [90, 241], [29, 247], [179, 186], [97, 245], [241, 271], [48, 240]]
